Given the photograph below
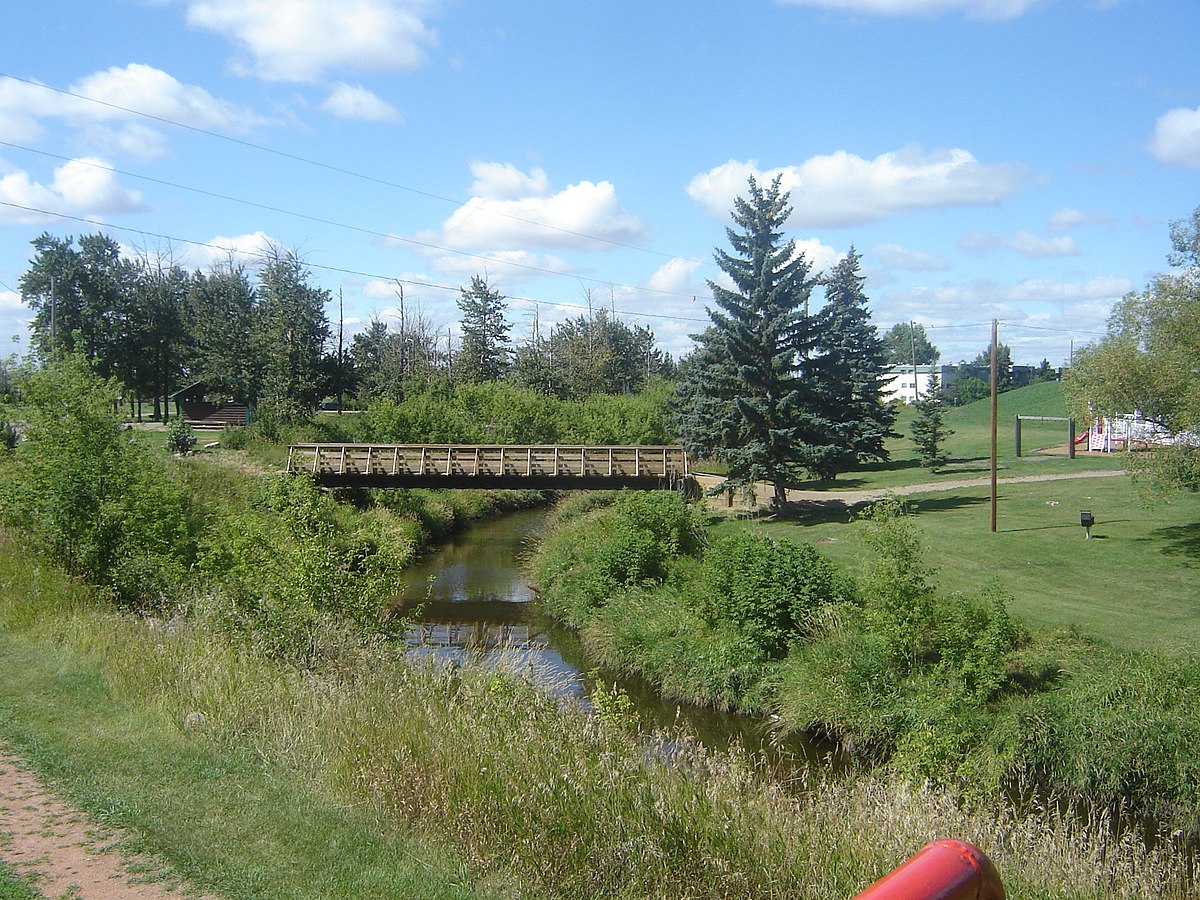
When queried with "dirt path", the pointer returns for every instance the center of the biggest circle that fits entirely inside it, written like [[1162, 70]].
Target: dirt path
[[64, 854], [763, 493]]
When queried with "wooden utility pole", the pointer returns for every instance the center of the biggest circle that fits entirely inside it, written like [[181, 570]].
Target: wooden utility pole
[[993, 426]]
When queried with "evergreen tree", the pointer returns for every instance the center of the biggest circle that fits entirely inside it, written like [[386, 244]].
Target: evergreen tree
[[929, 431], [744, 400], [484, 355], [849, 372]]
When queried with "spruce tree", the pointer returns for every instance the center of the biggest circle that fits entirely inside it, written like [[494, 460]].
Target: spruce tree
[[743, 400], [848, 365], [484, 355], [929, 431]]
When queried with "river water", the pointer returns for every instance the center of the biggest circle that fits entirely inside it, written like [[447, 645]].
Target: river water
[[471, 601]]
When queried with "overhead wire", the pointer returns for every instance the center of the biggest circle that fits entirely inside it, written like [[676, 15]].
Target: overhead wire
[[338, 169], [325, 268], [388, 236]]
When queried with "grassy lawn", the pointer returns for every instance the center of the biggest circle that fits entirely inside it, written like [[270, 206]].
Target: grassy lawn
[[1136, 583], [1043, 445]]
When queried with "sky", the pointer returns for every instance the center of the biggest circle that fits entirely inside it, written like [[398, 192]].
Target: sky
[[1009, 160]]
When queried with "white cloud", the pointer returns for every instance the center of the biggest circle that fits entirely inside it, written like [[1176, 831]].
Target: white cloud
[[302, 40], [844, 189], [895, 256], [1177, 138], [991, 10], [821, 257], [347, 101], [250, 250], [677, 276], [513, 211], [103, 108], [504, 181], [994, 297], [1068, 219], [85, 186], [1024, 243]]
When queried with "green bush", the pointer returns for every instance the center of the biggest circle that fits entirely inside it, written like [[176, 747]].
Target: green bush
[[769, 590], [104, 507], [180, 438]]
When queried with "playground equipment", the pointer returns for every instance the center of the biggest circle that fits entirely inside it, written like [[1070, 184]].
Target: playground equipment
[[1071, 439], [943, 870]]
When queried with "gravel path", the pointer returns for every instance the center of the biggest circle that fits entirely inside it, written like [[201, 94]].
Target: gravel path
[[64, 854], [764, 493]]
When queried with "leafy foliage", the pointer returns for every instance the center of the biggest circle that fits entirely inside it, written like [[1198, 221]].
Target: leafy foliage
[[771, 591], [1147, 361], [180, 437], [907, 343], [104, 506]]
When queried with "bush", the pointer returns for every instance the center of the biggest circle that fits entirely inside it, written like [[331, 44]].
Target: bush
[[103, 506], [769, 590], [180, 438]]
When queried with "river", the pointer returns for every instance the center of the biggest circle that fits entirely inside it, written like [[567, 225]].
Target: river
[[471, 601]]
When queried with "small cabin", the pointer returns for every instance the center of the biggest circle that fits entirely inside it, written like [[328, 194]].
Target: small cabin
[[205, 407]]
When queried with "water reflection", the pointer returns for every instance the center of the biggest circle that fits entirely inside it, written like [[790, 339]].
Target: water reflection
[[471, 602]]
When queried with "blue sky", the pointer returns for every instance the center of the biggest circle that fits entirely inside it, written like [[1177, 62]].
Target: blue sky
[[1017, 160]]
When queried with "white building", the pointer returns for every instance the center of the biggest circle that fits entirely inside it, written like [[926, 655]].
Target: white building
[[904, 383]]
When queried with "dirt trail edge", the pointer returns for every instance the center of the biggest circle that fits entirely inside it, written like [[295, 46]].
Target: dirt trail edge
[[63, 854], [763, 493]]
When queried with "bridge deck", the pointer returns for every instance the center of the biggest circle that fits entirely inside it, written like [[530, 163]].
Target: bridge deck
[[553, 467]]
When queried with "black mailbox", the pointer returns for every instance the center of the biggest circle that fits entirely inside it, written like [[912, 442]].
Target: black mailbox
[[1087, 520]]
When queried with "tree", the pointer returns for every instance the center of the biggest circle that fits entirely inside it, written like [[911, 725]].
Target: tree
[[744, 400], [903, 340], [1003, 365], [292, 329], [484, 355], [1147, 362], [157, 332], [928, 428], [1044, 372], [79, 297], [225, 350], [849, 370]]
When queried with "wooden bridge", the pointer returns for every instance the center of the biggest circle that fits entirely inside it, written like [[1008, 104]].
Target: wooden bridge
[[494, 467]]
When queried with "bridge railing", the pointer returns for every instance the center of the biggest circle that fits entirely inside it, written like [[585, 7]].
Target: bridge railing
[[545, 461]]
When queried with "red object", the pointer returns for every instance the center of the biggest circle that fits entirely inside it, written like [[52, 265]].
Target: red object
[[943, 870]]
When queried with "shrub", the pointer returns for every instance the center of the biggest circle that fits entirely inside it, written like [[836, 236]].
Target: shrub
[[180, 438], [769, 590], [103, 506]]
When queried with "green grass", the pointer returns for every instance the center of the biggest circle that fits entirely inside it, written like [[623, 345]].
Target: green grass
[[225, 820], [13, 887], [311, 784], [1134, 584]]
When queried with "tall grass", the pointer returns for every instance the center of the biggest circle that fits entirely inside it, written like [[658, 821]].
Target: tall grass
[[540, 799]]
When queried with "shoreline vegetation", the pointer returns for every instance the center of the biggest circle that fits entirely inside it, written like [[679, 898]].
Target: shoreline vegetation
[[197, 655]]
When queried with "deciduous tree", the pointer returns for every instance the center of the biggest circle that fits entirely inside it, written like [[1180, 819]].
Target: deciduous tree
[[1147, 363]]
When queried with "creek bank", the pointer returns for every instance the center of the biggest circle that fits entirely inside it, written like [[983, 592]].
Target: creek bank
[[949, 690]]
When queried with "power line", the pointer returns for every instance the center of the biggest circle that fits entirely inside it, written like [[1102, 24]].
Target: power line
[[325, 268], [332, 222], [338, 169]]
